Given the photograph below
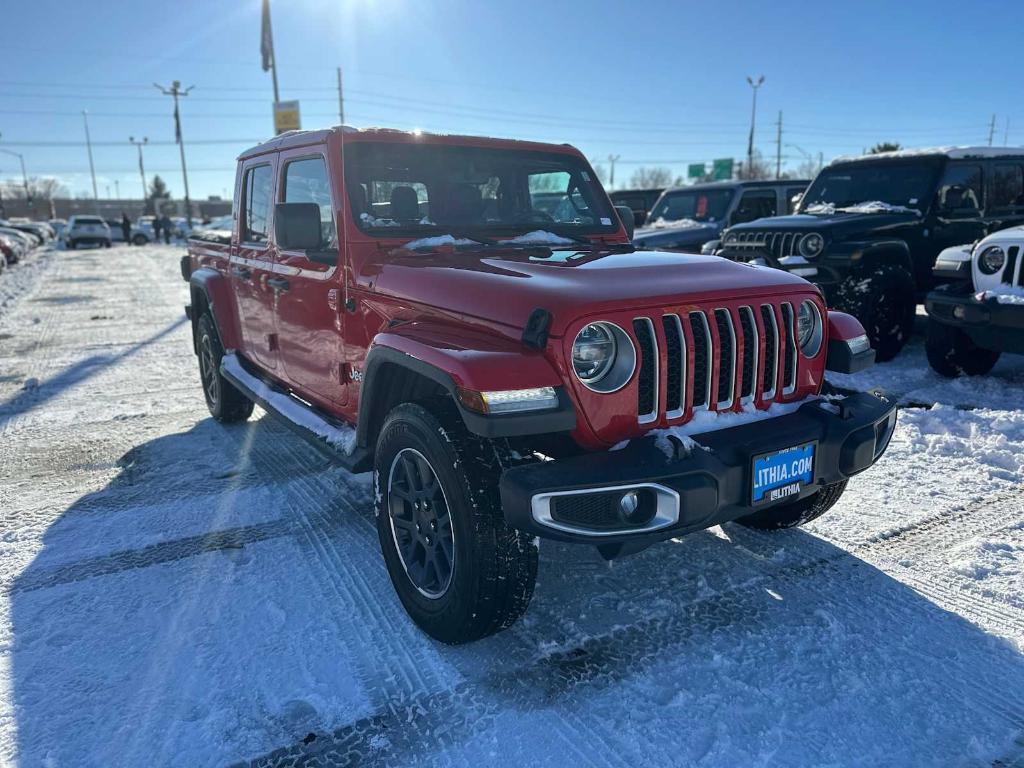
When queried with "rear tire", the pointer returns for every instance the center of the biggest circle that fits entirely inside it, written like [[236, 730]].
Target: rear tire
[[796, 513], [952, 353], [225, 402], [437, 495], [140, 239], [885, 303]]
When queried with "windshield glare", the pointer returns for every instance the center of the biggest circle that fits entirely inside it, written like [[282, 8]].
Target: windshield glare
[[903, 184], [394, 188], [704, 206]]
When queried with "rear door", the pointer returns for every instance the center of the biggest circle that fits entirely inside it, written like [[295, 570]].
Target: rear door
[[309, 311], [252, 261]]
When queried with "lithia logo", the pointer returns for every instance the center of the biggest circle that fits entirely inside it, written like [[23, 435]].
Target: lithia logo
[[787, 490]]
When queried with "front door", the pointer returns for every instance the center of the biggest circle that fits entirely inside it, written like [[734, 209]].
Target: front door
[[252, 262], [958, 219], [309, 309]]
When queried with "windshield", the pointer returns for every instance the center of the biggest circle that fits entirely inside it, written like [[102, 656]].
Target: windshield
[[695, 205], [397, 188], [897, 184]]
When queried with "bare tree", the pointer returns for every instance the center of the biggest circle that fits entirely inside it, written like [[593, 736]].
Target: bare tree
[[758, 168], [808, 169], [650, 178], [39, 188]]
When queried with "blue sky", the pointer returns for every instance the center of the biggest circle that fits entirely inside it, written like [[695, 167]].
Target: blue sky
[[655, 83]]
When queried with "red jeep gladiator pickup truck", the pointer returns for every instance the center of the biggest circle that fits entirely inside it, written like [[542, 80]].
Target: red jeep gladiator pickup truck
[[466, 317]]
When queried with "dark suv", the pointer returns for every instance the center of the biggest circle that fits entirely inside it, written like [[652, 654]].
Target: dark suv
[[685, 218], [868, 229]]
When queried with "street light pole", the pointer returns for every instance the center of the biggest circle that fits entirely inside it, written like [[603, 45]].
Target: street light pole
[[175, 91], [142, 169], [753, 117], [92, 168], [24, 176]]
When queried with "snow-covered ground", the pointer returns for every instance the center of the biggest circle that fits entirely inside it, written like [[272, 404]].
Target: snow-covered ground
[[177, 592]]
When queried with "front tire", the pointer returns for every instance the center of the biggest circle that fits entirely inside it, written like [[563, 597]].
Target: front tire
[[796, 513], [885, 303], [225, 402], [459, 570], [952, 353], [140, 239]]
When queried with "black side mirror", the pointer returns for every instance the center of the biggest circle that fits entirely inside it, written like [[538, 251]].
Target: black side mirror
[[626, 216], [297, 228]]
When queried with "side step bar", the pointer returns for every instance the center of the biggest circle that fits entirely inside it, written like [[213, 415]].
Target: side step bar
[[334, 439]]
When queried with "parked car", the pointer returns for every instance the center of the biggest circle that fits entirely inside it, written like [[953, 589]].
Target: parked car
[[25, 240], [36, 235], [639, 201], [218, 229], [87, 230], [13, 248], [138, 236], [869, 229], [978, 311], [58, 226], [485, 360], [685, 218]]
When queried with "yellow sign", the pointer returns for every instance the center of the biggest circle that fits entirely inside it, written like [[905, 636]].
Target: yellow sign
[[286, 116]]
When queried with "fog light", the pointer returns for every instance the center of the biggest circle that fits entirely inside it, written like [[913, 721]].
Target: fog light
[[959, 312], [637, 508]]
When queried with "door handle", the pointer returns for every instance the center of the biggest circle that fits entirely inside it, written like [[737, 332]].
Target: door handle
[[278, 283], [243, 272]]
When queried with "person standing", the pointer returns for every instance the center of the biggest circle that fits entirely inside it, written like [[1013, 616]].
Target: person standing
[[156, 228], [126, 228], [165, 224]]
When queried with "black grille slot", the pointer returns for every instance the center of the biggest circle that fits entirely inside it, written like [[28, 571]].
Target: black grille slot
[[701, 359], [647, 396], [771, 345], [674, 359], [596, 511], [749, 352], [726, 357], [789, 358], [1011, 264]]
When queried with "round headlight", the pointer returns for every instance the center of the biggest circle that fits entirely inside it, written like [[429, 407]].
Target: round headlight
[[603, 357], [730, 238], [991, 260], [593, 353], [808, 329], [812, 245]]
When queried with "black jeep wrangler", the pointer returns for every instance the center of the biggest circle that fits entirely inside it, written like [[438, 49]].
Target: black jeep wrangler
[[869, 228]]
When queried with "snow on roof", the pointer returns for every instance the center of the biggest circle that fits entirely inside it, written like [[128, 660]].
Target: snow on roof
[[950, 152]]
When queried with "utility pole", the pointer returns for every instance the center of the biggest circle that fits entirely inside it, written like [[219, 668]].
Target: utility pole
[[991, 130], [175, 91], [778, 147], [142, 170], [117, 189], [24, 176], [1006, 131], [612, 160], [341, 101], [92, 168], [753, 118]]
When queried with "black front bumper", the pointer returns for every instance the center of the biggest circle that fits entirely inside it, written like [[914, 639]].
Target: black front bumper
[[712, 483], [989, 324]]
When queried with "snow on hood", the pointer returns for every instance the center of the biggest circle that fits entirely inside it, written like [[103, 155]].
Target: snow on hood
[[538, 237], [874, 206], [663, 223]]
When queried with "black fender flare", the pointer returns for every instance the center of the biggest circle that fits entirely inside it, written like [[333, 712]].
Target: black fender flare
[[203, 289]]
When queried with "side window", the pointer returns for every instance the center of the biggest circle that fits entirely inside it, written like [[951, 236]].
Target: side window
[[305, 181], [960, 189], [1007, 187], [755, 204], [793, 195], [258, 183]]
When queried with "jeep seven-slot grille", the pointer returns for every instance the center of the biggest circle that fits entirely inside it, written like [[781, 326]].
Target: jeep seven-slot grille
[[1011, 274], [778, 244], [751, 348]]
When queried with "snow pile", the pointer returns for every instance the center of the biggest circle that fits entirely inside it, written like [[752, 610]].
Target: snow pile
[[663, 223], [342, 437], [793, 260], [437, 242], [538, 237], [874, 206], [713, 421], [1006, 295]]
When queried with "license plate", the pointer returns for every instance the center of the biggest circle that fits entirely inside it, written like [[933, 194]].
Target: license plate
[[781, 474]]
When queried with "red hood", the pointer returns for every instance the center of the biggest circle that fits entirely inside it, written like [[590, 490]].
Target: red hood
[[505, 286]]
